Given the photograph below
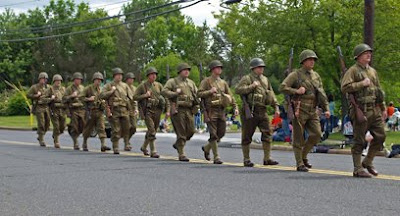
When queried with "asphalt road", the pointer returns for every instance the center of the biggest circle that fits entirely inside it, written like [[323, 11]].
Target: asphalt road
[[46, 181]]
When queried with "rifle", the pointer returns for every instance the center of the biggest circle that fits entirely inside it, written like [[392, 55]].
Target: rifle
[[143, 104], [290, 109], [204, 107], [359, 113], [247, 112], [174, 105], [109, 107], [51, 104]]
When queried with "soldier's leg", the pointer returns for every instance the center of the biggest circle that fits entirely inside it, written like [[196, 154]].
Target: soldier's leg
[[190, 128], [87, 130], [156, 121], [179, 128], [212, 129], [56, 129], [74, 131], [62, 120], [101, 130], [132, 120], [266, 138], [115, 132], [314, 135], [47, 118], [377, 131], [125, 130], [40, 127], [359, 131], [150, 121], [298, 140], [248, 129]]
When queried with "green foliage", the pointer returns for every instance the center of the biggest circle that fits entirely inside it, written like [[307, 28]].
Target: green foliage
[[17, 105]]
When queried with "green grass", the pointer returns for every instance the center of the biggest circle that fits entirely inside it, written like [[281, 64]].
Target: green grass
[[17, 121], [391, 137]]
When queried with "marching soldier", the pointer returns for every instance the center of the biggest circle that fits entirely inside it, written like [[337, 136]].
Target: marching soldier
[[76, 108], [151, 104], [57, 108], [257, 91], [117, 95], [216, 96], [40, 106], [133, 110], [305, 86], [182, 93], [362, 81], [94, 112]]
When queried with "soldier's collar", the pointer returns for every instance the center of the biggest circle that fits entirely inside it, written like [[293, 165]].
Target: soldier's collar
[[215, 78], [254, 74], [302, 69], [182, 78], [362, 66]]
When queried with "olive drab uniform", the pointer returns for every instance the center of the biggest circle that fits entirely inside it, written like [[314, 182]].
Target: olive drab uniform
[[151, 109], [370, 101], [40, 107], [77, 112], [57, 109], [215, 105], [187, 105], [308, 119], [133, 110], [94, 116], [258, 98], [118, 100]]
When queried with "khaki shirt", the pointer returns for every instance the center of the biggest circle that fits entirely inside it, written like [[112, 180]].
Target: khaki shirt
[[212, 99], [156, 97], [352, 83], [58, 92], [120, 97], [89, 91], [261, 95], [311, 81], [74, 102], [133, 105], [188, 96]]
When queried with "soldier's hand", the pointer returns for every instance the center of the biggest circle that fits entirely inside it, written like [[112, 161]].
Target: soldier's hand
[[91, 98], [301, 91], [213, 90], [327, 114], [366, 82], [256, 83], [113, 88], [75, 94], [236, 112], [53, 97], [39, 93], [136, 113], [178, 90], [148, 94], [167, 115]]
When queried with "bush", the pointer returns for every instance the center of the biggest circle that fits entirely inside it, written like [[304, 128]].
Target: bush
[[17, 105], [4, 98]]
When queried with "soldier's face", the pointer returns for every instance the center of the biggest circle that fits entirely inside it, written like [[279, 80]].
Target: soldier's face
[[129, 81], [97, 82], [309, 63], [77, 81], [259, 70], [185, 73], [365, 57], [57, 83], [118, 77], [217, 71], [152, 77], [42, 81]]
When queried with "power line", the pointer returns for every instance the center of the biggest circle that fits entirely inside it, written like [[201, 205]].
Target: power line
[[100, 6], [40, 29], [100, 28], [19, 3]]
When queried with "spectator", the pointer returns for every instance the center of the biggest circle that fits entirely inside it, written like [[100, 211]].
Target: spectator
[[390, 110], [332, 120], [197, 120], [279, 133], [395, 150], [236, 122], [393, 121], [276, 121], [164, 125]]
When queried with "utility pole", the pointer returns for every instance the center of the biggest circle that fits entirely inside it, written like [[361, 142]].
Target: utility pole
[[369, 13]]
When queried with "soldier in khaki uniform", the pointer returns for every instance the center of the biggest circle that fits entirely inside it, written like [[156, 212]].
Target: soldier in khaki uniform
[[362, 81], [117, 95], [151, 104], [217, 96], [76, 108], [40, 106], [257, 91], [133, 110], [305, 85], [182, 93], [57, 108], [94, 112]]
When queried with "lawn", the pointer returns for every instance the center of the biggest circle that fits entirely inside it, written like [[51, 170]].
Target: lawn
[[17, 122], [391, 137]]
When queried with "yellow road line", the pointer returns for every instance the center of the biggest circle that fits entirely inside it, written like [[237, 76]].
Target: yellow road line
[[202, 161]]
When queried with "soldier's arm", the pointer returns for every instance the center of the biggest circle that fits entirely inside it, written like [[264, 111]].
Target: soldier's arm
[[167, 103], [229, 92], [31, 94], [47, 96], [168, 90], [286, 86], [275, 103], [348, 83], [84, 94], [140, 93], [203, 91], [68, 94], [244, 87], [382, 106], [106, 92], [325, 103]]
